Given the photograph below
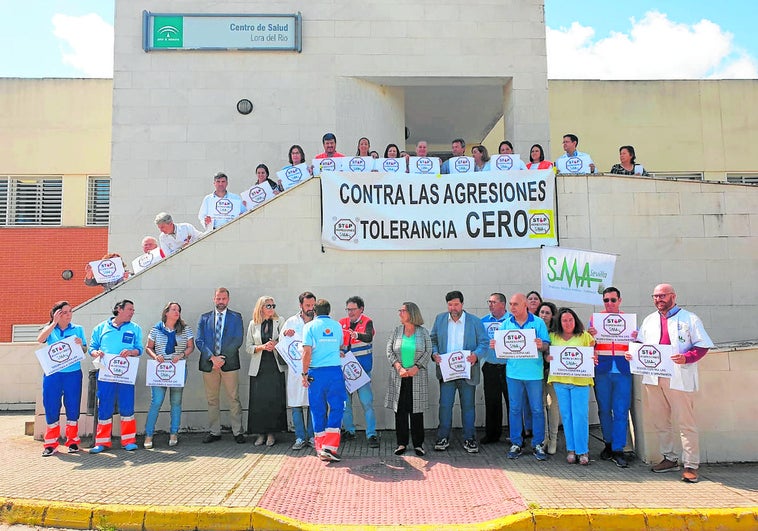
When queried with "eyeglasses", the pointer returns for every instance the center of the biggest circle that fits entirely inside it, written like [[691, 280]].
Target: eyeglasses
[[401, 310], [351, 309], [270, 306], [610, 300], [492, 302], [661, 295]]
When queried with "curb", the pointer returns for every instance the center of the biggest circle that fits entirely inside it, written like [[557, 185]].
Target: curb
[[179, 518]]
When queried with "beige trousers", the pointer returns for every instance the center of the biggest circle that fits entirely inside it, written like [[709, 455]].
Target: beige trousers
[[230, 380], [665, 404]]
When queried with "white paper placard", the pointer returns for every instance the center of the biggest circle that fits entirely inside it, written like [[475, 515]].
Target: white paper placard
[[114, 368], [457, 165], [59, 355], [572, 361], [579, 164], [258, 194], [327, 164], [390, 165], [616, 327], [290, 348], [358, 164], [651, 360], [352, 371], [293, 175], [424, 165], [491, 328], [146, 260], [166, 374], [455, 365], [108, 270], [223, 210], [516, 344], [506, 162]]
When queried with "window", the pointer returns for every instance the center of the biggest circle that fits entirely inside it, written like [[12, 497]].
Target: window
[[30, 201], [679, 176], [742, 178], [98, 201], [25, 333]]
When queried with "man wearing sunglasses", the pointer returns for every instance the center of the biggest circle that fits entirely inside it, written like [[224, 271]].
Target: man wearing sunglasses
[[613, 386], [674, 398]]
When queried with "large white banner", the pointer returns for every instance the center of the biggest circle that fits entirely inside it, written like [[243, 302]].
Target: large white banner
[[575, 276], [485, 210]]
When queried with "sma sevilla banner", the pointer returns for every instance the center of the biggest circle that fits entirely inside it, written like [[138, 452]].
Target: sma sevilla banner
[[572, 275], [484, 210]]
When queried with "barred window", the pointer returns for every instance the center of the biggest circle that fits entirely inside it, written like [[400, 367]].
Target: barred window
[[25, 333], [98, 201], [29, 201], [679, 176], [742, 178]]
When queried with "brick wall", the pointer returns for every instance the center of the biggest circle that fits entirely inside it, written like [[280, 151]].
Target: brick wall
[[31, 261]]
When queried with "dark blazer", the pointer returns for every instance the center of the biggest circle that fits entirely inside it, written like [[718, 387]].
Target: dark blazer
[[475, 339], [230, 343]]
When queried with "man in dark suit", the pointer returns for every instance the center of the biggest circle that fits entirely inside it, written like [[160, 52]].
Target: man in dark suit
[[457, 330], [219, 338]]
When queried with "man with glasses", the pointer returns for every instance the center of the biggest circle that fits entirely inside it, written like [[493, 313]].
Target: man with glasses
[[357, 335], [673, 398], [613, 386], [493, 373], [458, 149]]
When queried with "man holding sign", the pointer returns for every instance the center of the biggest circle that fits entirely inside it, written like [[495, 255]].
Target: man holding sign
[[220, 207], [116, 337], [455, 331], [613, 381], [66, 382], [524, 378], [673, 398]]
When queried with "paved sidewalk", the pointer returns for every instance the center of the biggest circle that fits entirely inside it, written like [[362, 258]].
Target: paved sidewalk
[[225, 485]]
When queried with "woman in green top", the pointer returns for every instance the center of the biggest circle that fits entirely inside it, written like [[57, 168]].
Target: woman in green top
[[573, 391], [409, 349]]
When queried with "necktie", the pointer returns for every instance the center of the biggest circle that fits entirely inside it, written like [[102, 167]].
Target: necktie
[[218, 333]]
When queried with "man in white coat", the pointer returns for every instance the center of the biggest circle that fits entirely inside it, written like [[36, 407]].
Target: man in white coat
[[674, 397]]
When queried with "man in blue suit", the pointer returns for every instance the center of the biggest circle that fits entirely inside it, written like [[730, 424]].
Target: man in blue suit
[[457, 330], [219, 338]]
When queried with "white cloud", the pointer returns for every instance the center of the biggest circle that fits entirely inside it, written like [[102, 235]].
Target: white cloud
[[654, 48], [87, 43]]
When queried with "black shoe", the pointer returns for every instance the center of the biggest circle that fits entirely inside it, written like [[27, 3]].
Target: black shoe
[[348, 435], [373, 442], [47, 452], [73, 449], [400, 450], [607, 452], [329, 455], [489, 440], [420, 451], [211, 438], [240, 439], [619, 459]]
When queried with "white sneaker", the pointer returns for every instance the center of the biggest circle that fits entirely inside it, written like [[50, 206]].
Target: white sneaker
[[299, 444]]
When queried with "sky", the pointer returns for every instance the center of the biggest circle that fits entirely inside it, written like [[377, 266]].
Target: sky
[[586, 39]]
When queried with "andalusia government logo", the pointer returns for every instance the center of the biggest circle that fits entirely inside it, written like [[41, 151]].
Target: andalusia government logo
[[168, 32]]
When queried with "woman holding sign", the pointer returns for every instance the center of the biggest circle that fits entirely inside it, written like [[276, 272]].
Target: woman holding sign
[[296, 156], [409, 350], [267, 409], [64, 384], [262, 176], [169, 340], [573, 391]]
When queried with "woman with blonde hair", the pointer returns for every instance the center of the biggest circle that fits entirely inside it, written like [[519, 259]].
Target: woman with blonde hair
[[408, 350], [267, 408]]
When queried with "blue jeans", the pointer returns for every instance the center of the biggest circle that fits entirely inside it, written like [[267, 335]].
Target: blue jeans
[[158, 394], [531, 390], [303, 429], [468, 412], [367, 402], [613, 392], [574, 403]]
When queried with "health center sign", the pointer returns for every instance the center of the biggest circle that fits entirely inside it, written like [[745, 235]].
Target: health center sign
[[484, 210], [197, 31]]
